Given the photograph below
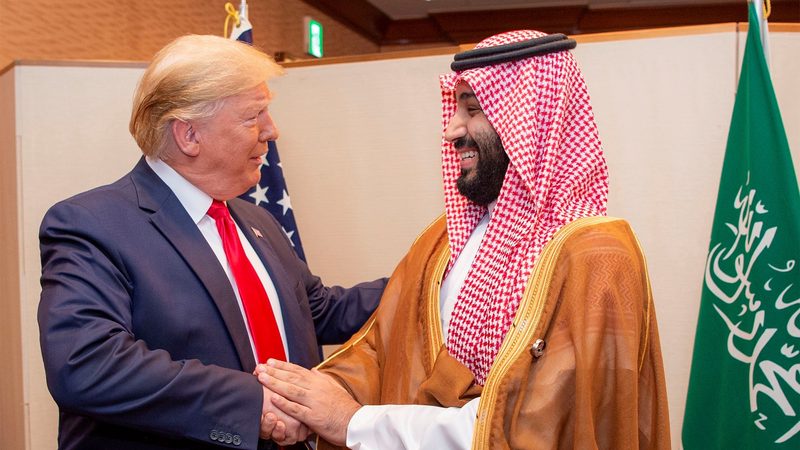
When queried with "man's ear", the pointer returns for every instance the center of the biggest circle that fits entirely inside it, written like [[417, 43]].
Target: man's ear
[[186, 138]]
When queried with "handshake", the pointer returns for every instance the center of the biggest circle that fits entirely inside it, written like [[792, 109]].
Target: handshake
[[298, 401]]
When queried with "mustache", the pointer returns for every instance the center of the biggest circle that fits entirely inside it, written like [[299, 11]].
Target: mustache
[[465, 141]]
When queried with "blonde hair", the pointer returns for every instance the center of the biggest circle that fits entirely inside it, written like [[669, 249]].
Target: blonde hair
[[189, 79]]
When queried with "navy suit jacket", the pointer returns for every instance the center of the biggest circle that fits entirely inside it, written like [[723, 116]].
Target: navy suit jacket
[[143, 341]]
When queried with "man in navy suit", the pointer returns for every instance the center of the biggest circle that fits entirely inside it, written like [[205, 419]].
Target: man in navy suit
[[146, 338]]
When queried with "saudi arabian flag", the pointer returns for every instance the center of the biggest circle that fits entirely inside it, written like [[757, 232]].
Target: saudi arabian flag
[[744, 389]]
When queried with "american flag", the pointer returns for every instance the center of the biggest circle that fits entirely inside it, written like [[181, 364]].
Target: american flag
[[271, 192]]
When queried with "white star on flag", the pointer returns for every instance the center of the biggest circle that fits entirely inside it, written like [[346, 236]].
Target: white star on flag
[[285, 202], [260, 194], [288, 235]]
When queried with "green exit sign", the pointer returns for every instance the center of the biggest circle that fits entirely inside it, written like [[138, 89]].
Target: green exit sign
[[314, 37]]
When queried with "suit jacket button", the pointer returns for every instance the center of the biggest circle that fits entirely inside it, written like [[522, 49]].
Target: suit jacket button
[[214, 435], [228, 438], [237, 440]]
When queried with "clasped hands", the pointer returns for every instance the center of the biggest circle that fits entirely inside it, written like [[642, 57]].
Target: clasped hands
[[298, 401]]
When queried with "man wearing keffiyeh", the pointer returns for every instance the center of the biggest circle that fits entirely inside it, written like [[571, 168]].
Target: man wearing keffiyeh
[[522, 318]]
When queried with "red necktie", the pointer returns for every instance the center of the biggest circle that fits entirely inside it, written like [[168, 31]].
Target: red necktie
[[257, 308]]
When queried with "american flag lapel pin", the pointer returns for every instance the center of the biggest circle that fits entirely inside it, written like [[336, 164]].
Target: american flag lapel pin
[[256, 232]]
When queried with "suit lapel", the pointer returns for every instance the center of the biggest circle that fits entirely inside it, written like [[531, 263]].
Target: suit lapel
[[259, 240], [172, 220]]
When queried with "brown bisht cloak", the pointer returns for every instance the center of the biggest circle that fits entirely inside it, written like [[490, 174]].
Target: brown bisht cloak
[[580, 367]]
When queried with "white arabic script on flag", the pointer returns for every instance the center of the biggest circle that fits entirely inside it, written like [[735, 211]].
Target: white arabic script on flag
[[749, 333]]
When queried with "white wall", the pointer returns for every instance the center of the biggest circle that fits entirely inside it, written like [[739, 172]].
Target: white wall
[[360, 149]]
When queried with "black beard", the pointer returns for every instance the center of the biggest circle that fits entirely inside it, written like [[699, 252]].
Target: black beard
[[484, 187]]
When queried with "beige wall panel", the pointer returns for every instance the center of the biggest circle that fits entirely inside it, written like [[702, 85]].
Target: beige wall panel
[[784, 49], [360, 150], [11, 400]]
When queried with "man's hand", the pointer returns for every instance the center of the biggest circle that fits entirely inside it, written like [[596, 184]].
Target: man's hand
[[312, 397], [277, 425]]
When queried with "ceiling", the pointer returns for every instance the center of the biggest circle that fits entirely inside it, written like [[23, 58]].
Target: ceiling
[[449, 22]]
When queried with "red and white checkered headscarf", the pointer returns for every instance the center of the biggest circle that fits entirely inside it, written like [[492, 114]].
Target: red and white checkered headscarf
[[539, 106]]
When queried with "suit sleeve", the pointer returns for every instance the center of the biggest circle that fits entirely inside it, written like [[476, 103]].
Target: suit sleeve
[[97, 367], [337, 312]]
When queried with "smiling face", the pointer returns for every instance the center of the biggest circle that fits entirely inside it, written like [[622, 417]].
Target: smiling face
[[227, 149], [483, 159]]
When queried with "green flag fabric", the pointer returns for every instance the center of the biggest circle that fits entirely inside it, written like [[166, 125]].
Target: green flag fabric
[[744, 388]]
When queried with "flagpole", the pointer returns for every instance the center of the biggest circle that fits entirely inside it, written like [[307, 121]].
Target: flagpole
[[763, 12]]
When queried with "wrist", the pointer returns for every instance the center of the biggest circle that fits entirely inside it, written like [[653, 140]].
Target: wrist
[[343, 423]]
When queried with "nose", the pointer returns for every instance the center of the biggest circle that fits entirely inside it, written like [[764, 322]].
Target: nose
[[456, 128], [268, 129]]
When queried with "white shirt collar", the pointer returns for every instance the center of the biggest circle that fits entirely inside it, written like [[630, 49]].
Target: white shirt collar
[[490, 208], [194, 201]]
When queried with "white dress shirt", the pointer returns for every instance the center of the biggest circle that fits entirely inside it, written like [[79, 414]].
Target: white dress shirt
[[196, 203], [411, 427]]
